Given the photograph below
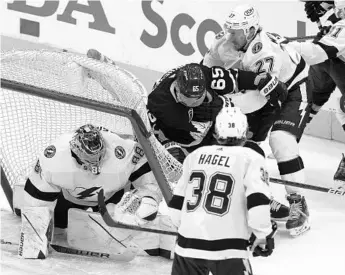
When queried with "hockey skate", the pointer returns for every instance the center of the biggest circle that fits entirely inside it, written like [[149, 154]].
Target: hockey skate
[[339, 176], [298, 221], [279, 212]]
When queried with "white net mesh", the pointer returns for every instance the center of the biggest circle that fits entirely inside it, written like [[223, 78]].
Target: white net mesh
[[29, 123]]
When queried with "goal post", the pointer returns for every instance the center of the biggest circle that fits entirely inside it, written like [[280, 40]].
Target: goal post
[[45, 94]]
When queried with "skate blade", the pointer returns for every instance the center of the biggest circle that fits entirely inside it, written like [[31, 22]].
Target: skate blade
[[295, 232]]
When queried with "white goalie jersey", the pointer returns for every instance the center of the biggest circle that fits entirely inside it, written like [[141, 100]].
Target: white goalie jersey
[[221, 197], [58, 171], [329, 46]]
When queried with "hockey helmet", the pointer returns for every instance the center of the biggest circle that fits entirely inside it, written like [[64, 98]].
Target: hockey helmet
[[191, 85], [242, 17], [89, 146], [339, 9], [231, 126]]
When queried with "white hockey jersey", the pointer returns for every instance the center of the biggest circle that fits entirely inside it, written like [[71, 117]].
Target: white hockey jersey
[[265, 53], [329, 46], [58, 171], [221, 196]]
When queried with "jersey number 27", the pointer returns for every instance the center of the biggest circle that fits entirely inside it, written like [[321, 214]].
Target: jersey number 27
[[216, 198]]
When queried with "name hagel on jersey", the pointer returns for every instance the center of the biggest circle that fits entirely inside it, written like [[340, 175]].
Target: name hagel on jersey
[[329, 46], [225, 190], [57, 170]]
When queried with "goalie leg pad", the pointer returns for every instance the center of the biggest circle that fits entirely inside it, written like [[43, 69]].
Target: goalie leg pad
[[87, 231], [36, 232]]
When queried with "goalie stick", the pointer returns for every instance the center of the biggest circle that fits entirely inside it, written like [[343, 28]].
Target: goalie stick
[[333, 191], [110, 222], [124, 257]]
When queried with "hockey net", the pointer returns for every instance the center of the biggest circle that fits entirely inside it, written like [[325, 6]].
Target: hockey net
[[30, 123]]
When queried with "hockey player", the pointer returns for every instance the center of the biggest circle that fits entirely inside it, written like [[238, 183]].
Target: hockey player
[[185, 102], [259, 51], [220, 198], [326, 54], [71, 171]]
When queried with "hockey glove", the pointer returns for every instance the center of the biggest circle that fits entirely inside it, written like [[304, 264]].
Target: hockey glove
[[136, 207], [323, 31], [270, 87], [315, 9], [175, 150], [263, 247]]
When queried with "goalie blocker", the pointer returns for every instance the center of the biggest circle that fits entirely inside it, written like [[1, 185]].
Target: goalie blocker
[[36, 232]]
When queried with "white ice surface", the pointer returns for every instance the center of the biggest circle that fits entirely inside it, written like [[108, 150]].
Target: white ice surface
[[320, 251]]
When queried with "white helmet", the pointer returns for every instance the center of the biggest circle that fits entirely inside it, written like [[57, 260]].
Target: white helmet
[[339, 9], [231, 125], [243, 18]]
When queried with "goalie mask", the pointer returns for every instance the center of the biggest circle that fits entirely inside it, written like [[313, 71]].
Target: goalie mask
[[190, 85], [231, 127], [89, 146]]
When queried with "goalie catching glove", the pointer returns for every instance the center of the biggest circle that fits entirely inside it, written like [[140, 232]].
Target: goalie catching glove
[[136, 207], [270, 87], [263, 247]]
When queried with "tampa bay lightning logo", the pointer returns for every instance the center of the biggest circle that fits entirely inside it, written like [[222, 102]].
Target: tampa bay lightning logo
[[87, 192]]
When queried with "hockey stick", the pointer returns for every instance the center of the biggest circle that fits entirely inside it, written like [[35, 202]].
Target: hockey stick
[[301, 37], [333, 191], [110, 222], [124, 257]]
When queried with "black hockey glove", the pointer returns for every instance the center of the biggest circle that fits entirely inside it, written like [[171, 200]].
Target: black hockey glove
[[274, 90], [175, 150], [323, 31], [314, 9], [263, 247]]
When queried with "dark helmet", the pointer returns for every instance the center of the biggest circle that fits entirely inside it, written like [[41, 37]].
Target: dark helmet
[[191, 84]]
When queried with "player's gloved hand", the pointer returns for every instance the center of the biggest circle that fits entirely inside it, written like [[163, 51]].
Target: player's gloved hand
[[175, 150], [263, 247], [136, 207], [323, 31], [315, 9], [270, 87]]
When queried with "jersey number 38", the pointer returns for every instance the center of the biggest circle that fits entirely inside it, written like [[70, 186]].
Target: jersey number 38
[[214, 193]]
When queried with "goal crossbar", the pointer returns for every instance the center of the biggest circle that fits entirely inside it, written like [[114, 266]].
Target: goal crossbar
[[138, 125]]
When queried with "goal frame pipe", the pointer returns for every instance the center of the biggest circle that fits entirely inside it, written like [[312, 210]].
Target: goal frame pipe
[[6, 186], [137, 123]]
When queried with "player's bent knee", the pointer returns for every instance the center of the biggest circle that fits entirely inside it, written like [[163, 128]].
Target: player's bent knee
[[285, 149], [284, 145]]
